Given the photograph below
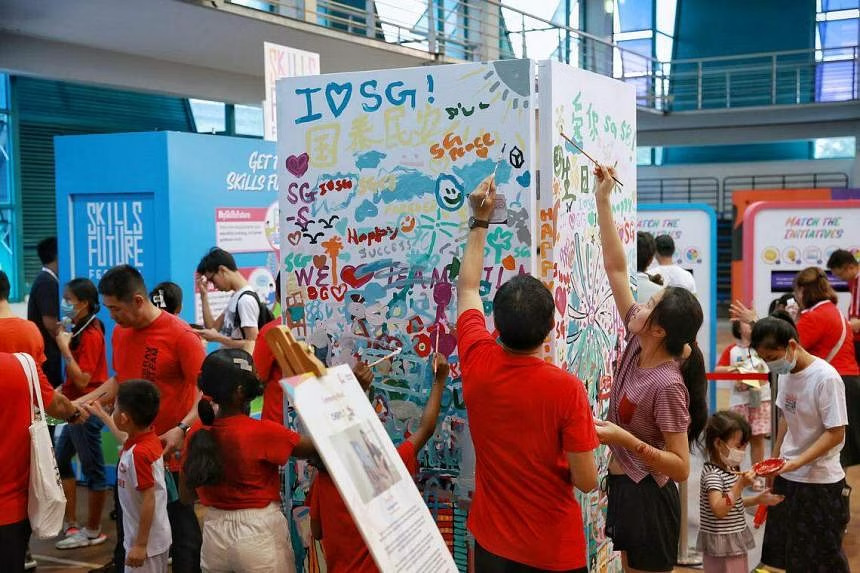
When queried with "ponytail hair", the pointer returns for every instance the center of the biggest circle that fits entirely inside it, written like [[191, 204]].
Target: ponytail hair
[[679, 313], [693, 372], [222, 373]]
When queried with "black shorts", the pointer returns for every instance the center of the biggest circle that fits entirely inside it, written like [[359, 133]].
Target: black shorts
[[486, 562], [644, 520], [803, 534]]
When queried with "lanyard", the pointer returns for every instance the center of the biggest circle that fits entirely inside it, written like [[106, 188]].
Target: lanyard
[[52, 273]]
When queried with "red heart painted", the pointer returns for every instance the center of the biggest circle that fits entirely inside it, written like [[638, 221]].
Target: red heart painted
[[560, 300], [294, 238], [338, 291], [298, 165], [509, 262], [319, 261], [348, 275]]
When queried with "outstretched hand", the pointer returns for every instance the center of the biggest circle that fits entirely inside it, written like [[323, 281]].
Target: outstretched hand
[[605, 180], [483, 199], [740, 311]]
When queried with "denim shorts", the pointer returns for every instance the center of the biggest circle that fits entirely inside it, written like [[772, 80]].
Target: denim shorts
[[85, 440]]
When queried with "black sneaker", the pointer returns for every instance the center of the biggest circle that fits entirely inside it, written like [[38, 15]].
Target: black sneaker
[[109, 568]]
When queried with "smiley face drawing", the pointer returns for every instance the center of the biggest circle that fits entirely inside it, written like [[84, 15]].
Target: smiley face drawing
[[449, 193]]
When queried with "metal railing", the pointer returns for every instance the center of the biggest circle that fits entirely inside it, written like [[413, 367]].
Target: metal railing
[[473, 30], [679, 190], [834, 180]]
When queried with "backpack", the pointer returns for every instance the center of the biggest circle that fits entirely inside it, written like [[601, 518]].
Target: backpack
[[263, 318]]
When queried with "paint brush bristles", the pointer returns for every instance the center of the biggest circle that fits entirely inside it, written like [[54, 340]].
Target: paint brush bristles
[[593, 160]]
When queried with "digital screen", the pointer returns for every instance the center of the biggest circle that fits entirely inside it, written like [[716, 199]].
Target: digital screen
[[783, 281]]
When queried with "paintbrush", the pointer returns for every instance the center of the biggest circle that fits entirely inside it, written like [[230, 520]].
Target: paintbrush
[[593, 160], [496, 168], [438, 330], [386, 357]]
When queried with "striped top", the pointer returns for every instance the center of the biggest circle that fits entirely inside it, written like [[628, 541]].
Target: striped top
[[714, 478], [646, 402]]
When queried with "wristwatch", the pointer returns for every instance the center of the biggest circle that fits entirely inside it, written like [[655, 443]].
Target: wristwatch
[[473, 222], [183, 426]]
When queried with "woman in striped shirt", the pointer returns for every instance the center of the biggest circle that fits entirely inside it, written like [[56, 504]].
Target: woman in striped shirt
[[656, 407]]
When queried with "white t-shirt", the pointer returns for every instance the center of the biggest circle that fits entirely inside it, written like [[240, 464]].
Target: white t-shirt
[[645, 288], [141, 467], [248, 312], [746, 359], [673, 275], [812, 401]]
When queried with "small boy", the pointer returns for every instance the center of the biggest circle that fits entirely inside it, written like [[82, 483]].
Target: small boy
[[140, 480], [345, 550]]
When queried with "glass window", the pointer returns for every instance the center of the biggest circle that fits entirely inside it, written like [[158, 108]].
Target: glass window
[[5, 161], [4, 95], [634, 57], [834, 81], [208, 115], [834, 148], [666, 10], [838, 34], [828, 5], [636, 14], [643, 156], [249, 120]]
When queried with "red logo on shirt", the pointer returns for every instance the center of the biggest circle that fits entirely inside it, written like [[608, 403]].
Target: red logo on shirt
[[626, 409]]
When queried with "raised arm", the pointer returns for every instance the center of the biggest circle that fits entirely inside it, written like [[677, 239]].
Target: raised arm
[[468, 285], [614, 259], [434, 402]]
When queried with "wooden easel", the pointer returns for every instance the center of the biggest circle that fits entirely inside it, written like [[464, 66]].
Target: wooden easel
[[293, 357]]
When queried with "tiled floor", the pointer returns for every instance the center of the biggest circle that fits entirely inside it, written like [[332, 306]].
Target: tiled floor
[[80, 560]]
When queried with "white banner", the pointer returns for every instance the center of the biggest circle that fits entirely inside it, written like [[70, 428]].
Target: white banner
[[283, 62]]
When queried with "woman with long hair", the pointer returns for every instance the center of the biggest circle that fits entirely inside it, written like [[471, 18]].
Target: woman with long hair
[[657, 407]]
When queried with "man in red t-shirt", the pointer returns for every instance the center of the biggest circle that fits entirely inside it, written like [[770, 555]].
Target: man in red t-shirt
[[530, 421], [15, 452], [153, 345], [843, 264]]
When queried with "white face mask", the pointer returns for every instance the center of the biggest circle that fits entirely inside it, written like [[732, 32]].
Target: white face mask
[[782, 365], [735, 457]]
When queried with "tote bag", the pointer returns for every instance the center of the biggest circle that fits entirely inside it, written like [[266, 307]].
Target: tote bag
[[46, 502]]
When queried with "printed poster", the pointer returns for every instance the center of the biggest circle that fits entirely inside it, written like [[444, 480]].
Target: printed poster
[[373, 481]]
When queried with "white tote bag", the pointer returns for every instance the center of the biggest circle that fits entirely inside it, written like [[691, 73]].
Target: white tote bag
[[46, 502]]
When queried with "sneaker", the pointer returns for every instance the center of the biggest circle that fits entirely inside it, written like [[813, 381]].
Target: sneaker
[[29, 562], [83, 538], [108, 568], [70, 529]]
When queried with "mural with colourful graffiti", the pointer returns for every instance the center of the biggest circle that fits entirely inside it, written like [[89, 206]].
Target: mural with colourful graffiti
[[374, 171], [598, 115]]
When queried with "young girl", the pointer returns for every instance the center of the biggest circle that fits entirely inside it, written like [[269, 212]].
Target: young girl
[[83, 350], [724, 536], [167, 296], [331, 522], [656, 408], [751, 403], [232, 462], [804, 533]]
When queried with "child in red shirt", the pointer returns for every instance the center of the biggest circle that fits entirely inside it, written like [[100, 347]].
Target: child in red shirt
[[83, 350], [231, 463], [331, 522]]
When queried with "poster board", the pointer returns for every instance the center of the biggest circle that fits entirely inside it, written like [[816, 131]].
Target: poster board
[[784, 237], [693, 227], [375, 168], [282, 62], [369, 473], [599, 114]]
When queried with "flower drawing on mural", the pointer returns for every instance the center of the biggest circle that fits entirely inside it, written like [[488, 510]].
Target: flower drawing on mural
[[591, 313]]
